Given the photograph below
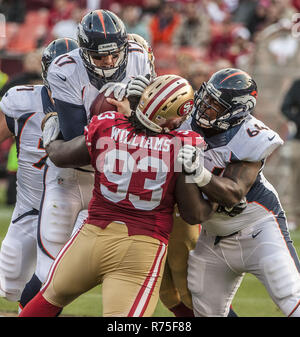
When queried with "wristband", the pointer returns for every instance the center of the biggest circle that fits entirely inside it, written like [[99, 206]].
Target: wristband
[[203, 178]]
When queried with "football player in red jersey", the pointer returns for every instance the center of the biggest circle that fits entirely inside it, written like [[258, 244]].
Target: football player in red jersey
[[123, 242]]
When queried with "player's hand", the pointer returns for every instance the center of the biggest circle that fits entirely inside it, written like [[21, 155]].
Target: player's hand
[[50, 128], [189, 157], [137, 86], [122, 106], [119, 90], [235, 210], [192, 159]]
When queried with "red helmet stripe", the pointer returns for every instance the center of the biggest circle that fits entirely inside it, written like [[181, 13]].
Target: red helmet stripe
[[234, 74], [100, 15], [158, 93], [165, 98]]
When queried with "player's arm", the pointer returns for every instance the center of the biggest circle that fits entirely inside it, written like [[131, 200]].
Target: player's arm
[[73, 153], [4, 129], [228, 190], [236, 182], [72, 119], [193, 208]]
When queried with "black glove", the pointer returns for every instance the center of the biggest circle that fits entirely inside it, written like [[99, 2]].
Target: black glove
[[235, 210]]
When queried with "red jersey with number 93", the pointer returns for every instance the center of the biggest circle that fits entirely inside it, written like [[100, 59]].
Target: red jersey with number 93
[[135, 175]]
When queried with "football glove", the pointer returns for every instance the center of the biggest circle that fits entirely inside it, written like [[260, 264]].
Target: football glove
[[50, 128], [137, 86], [119, 90], [235, 210], [192, 158], [134, 87]]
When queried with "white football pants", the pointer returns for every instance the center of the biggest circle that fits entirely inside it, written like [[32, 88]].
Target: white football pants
[[64, 206], [216, 269], [18, 252]]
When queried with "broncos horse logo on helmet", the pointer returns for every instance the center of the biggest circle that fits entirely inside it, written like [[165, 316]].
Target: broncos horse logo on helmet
[[54, 49], [101, 33], [225, 100]]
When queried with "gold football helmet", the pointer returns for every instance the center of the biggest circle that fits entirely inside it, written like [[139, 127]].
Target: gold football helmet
[[146, 46], [165, 103]]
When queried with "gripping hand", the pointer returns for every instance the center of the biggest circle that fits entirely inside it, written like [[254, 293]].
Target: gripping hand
[[191, 158], [50, 128], [235, 210]]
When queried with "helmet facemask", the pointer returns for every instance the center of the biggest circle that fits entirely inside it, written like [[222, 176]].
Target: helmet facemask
[[111, 73], [209, 110]]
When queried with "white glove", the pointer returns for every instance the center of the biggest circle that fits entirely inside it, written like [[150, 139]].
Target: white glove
[[119, 90], [50, 130], [191, 158], [137, 86]]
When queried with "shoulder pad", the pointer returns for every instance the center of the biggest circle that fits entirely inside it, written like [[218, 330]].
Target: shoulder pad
[[254, 141], [21, 99], [64, 76]]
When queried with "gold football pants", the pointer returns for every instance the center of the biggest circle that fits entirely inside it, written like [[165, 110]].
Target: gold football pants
[[174, 287], [129, 267]]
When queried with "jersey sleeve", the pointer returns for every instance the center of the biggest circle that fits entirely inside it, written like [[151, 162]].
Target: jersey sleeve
[[64, 80], [95, 129], [16, 101], [138, 60], [255, 142]]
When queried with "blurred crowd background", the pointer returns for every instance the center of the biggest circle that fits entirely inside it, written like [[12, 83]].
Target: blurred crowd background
[[192, 38]]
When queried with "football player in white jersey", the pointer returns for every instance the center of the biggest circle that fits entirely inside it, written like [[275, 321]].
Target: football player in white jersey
[[104, 55], [22, 110], [256, 240]]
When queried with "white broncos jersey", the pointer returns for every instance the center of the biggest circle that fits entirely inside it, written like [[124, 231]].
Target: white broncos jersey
[[25, 107], [69, 80], [250, 141]]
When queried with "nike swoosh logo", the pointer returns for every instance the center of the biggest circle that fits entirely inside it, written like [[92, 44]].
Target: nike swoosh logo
[[271, 138], [62, 77], [255, 235]]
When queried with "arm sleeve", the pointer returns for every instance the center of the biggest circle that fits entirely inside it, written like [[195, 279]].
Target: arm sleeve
[[72, 119]]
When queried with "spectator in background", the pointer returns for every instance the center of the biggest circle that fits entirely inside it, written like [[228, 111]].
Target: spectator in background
[[296, 4], [67, 28], [222, 63], [151, 7], [241, 51], [199, 72], [194, 30], [222, 39], [217, 10], [245, 12], [14, 10], [274, 43], [257, 21], [164, 24], [132, 18], [31, 72], [290, 154], [61, 10]]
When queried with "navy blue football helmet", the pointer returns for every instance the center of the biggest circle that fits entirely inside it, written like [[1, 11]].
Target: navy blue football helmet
[[54, 49], [101, 33], [225, 100]]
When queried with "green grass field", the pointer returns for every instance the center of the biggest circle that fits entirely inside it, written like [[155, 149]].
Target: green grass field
[[251, 299]]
